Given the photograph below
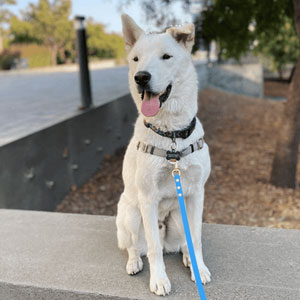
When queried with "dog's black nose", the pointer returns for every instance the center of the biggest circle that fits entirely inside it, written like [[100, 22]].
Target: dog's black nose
[[142, 78]]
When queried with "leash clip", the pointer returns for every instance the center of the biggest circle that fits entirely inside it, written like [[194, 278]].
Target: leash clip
[[176, 169]]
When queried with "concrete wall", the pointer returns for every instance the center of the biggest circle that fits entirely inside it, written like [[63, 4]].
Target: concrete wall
[[54, 256], [203, 72], [37, 171], [246, 79]]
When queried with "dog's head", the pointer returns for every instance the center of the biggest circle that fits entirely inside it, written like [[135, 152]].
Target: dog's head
[[158, 66]]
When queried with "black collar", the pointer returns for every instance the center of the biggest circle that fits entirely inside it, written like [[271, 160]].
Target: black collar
[[183, 134]]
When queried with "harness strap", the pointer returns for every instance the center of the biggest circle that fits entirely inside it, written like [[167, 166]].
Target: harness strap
[[198, 145]]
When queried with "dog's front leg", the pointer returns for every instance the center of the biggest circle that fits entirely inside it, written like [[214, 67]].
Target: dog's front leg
[[159, 281], [194, 210]]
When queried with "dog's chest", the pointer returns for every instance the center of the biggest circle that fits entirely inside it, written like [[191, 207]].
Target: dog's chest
[[189, 179]]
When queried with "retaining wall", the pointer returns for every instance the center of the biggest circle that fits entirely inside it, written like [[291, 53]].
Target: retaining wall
[[37, 171], [245, 79], [68, 257]]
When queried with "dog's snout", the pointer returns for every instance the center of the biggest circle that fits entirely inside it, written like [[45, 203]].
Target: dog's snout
[[142, 78]]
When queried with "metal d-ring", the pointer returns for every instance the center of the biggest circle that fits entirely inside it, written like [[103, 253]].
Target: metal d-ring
[[174, 144]]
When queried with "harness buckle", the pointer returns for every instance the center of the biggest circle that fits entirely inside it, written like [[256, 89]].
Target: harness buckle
[[173, 156]]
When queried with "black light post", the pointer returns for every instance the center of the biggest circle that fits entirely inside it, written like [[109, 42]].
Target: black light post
[[85, 85]]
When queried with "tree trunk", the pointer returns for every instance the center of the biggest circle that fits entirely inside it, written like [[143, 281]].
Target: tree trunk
[[297, 15], [53, 50], [62, 55], [284, 168], [292, 74], [1, 43], [280, 74], [286, 156]]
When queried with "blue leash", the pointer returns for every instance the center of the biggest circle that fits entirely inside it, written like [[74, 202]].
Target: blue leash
[[176, 175]]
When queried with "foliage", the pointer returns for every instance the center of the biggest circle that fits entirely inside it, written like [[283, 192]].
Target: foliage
[[227, 22], [22, 31], [4, 13], [48, 23], [52, 25], [7, 58], [36, 55], [282, 49], [238, 26], [4, 17], [102, 44]]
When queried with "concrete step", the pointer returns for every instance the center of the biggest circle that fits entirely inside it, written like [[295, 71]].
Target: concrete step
[[53, 256]]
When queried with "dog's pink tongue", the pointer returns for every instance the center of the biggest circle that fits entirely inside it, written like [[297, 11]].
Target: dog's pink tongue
[[150, 107]]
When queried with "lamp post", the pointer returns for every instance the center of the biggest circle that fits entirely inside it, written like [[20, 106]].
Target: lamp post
[[85, 85]]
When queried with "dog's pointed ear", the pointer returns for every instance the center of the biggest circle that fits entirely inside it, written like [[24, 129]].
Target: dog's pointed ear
[[131, 32], [184, 35]]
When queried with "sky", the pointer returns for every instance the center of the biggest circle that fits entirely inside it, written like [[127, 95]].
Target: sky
[[108, 13]]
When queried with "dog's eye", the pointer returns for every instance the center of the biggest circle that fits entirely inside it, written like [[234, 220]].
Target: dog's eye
[[135, 58], [166, 56]]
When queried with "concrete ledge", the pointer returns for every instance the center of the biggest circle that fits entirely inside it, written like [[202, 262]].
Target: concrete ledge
[[66, 256], [71, 153]]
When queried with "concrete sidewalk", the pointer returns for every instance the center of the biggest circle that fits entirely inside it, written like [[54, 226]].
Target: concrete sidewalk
[[68, 256], [30, 102]]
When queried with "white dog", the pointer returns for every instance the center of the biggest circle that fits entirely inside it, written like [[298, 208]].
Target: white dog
[[163, 84]]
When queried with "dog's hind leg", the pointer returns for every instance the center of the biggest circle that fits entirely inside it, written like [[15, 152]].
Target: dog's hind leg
[[128, 225], [174, 233], [194, 206]]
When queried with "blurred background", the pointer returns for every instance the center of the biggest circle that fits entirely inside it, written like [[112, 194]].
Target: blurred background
[[66, 114]]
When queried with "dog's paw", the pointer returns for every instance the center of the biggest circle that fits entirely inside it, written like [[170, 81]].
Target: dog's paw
[[204, 274], [160, 286], [134, 266], [186, 260]]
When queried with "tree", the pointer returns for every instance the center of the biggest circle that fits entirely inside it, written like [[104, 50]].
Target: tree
[[52, 25], [280, 50], [102, 44], [48, 23], [266, 26], [4, 17], [22, 31], [227, 22], [286, 156]]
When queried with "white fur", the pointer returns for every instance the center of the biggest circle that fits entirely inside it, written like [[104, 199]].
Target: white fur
[[149, 198]]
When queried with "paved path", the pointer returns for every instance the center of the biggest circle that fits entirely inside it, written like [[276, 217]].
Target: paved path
[[33, 101]]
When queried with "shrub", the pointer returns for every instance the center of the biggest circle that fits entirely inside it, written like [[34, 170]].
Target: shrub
[[37, 55], [7, 58]]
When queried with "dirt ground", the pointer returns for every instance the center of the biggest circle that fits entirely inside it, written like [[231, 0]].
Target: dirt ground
[[241, 134], [276, 88]]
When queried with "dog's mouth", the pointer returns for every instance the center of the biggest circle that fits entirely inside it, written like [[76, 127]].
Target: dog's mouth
[[153, 101]]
